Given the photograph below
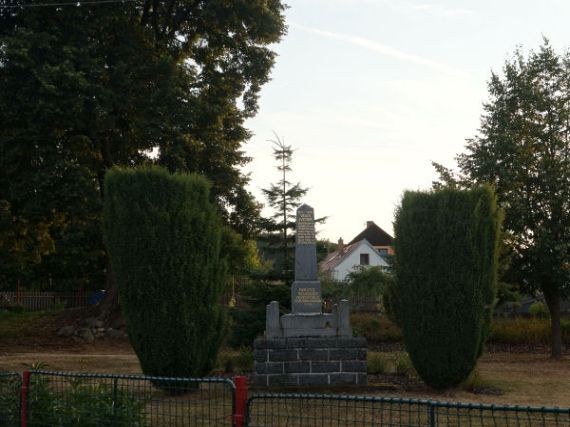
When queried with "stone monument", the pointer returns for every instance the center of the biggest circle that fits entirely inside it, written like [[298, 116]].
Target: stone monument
[[308, 347]]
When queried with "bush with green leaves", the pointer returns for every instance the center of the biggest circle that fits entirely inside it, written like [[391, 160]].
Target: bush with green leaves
[[248, 318], [534, 331], [163, 237], [368, 282], [376, 363], [375, 328], [86, 405], [332, 289], [10, 390], [446, 264], [82, 404], [403, 366], [539, 309], [362, 283], [390, 302]]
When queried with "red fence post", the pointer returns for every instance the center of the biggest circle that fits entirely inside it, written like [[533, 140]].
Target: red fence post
[[24, 399], [241, 400]]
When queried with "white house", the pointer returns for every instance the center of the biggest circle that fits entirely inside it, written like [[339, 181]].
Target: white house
[[346, 258]]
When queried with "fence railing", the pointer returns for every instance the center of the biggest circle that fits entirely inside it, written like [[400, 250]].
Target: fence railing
[[44, 398], [50, 399], [37, 301], [319, 410]]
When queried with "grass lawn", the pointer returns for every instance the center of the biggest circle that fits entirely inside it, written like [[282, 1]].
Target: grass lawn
[[523, 379], [14, 325]]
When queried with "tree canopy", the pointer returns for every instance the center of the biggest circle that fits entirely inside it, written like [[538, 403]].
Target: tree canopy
[[85, 87], [523, 149]]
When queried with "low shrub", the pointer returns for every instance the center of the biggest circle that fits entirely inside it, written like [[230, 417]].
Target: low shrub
[[17, 308], [377, 363], [368, 282], [403, 366], [539, 309], [84, 405], [375, 328], [10, 389], [235, 361], [248, 318], [526, 331], [333, 289], [475, 383]]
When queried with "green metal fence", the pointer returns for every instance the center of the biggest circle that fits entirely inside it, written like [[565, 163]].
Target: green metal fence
[[74, 399], [320, 410], [10, 389], [44, 398]]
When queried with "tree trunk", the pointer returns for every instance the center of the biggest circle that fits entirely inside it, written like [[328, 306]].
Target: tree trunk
[[109, 309], [552, 298]]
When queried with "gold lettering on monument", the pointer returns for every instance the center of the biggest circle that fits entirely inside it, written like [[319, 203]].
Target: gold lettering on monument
[[305, 228], [307, 296]]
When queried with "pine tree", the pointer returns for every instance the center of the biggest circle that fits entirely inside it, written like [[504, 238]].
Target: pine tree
[[284, 198]]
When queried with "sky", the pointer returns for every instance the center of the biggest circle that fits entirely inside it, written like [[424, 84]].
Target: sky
[[370, 92]]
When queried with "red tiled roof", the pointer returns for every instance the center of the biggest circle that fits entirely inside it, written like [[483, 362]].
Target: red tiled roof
[[334, 258]]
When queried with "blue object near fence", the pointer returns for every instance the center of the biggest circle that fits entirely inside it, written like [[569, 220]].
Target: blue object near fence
[[97, 297]]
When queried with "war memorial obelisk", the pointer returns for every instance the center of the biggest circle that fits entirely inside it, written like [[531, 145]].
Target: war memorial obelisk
[[308, 347]]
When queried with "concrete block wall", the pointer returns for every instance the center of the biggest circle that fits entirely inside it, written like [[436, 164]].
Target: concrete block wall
[[309, 361]]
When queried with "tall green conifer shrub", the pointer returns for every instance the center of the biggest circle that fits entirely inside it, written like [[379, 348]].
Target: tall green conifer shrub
[[446, 264], [163, 237]]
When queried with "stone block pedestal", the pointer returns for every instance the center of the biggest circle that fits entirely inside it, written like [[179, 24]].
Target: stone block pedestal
[[309, 361]]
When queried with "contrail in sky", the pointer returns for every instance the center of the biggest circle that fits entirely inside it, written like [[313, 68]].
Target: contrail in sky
[[383, 50]]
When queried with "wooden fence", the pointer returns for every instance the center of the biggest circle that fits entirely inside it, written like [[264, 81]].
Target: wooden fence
[[37, 301]]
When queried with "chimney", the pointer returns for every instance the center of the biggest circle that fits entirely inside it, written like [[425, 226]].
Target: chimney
[[369, 224], [340, 245]]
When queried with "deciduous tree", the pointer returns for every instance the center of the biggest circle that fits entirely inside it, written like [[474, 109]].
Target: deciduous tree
[[523, 149], [88, 86]]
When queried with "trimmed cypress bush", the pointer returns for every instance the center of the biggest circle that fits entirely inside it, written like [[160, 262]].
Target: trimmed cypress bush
[[446, 264], [163, 238]]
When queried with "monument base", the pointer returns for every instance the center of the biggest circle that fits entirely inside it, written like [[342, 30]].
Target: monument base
[[303, 325], [309, 325], [309, 361]]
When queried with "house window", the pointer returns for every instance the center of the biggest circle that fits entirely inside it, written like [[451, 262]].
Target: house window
[[364, 259], [383, 252]]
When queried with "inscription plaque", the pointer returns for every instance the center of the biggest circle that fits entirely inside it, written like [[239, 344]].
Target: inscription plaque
[[306, 290], [305, 228], [307, 296]]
